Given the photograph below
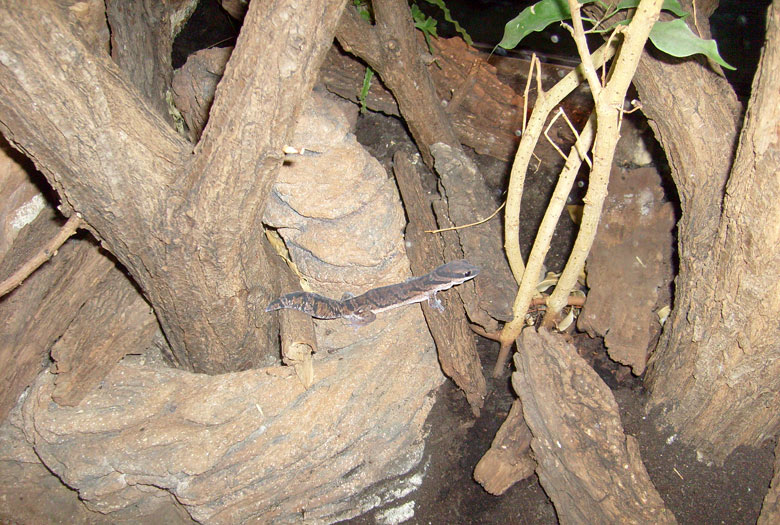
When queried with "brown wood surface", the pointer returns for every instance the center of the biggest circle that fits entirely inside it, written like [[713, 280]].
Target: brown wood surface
[[37, 313], [183, 221], [455, 342], [716, 368], [590, 469], [113, 322], [509, 458]]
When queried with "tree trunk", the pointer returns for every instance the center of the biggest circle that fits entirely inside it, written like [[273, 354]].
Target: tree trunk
[[185, 222], [716, 371]]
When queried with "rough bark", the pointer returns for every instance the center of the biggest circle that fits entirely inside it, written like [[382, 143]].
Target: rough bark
[[30, 493], [629, 267], [256, 445], [184, 223], [391, 48], [481, 243], [142, 36], [591, 470], [113, 322], [716, 369], [455, 342], [485, 112]]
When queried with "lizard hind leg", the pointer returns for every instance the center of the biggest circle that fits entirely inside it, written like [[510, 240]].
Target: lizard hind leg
[[357, 319], [309, 303]]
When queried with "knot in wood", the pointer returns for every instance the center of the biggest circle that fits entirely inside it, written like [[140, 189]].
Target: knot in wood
[[392, 45]]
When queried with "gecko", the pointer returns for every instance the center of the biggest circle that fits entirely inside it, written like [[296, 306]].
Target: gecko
[[362, 309]]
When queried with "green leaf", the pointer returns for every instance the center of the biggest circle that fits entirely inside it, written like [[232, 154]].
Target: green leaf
[[448, 18], [426, 24], [546, 12], [364, 90], [533, 18], [362, 9], [675, 38], [673, 6]]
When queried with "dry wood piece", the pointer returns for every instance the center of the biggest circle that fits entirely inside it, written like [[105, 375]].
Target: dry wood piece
[[391, 48], [591, 470], [114, 322], [299, 342], [142, 36], [228, 445], [629, 267], [509, 458], [468, 200], [454, 341], [194, 85], [716, 370], [182, 221], [46, 252]]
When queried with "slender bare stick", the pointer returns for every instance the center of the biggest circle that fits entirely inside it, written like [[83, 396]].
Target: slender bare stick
[[524, 297], [545, 103], [609, 105], [46, 253]]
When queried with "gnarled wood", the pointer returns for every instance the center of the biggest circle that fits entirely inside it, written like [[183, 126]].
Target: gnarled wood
[[509, 458], [184, 223], [716, 370], [454, 340], [591, 470], [113, 322], [36, 314]]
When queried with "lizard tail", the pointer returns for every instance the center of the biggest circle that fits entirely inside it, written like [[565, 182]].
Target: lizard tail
[[309, 303]]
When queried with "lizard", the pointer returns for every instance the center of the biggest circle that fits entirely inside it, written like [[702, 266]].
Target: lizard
[[362, 310]]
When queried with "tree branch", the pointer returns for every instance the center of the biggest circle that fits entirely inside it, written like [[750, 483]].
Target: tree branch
[[46, 253]]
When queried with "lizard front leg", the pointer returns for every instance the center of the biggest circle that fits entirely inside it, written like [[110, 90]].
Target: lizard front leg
[[435, 302]]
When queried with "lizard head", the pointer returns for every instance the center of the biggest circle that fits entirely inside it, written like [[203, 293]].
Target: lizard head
[[457, 271]]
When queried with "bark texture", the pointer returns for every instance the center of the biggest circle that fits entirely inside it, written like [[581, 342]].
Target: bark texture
[[113, 322], [485, 112], [509, 458], [454, 339], [36, 314], [391, 48], [629, 267], [184, 223], [591, 470], [257, 445], [716, 369], [142, 36]]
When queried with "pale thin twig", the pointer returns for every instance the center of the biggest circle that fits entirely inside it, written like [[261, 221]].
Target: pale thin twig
[[481, 221], [46, 253], [562, 113]]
